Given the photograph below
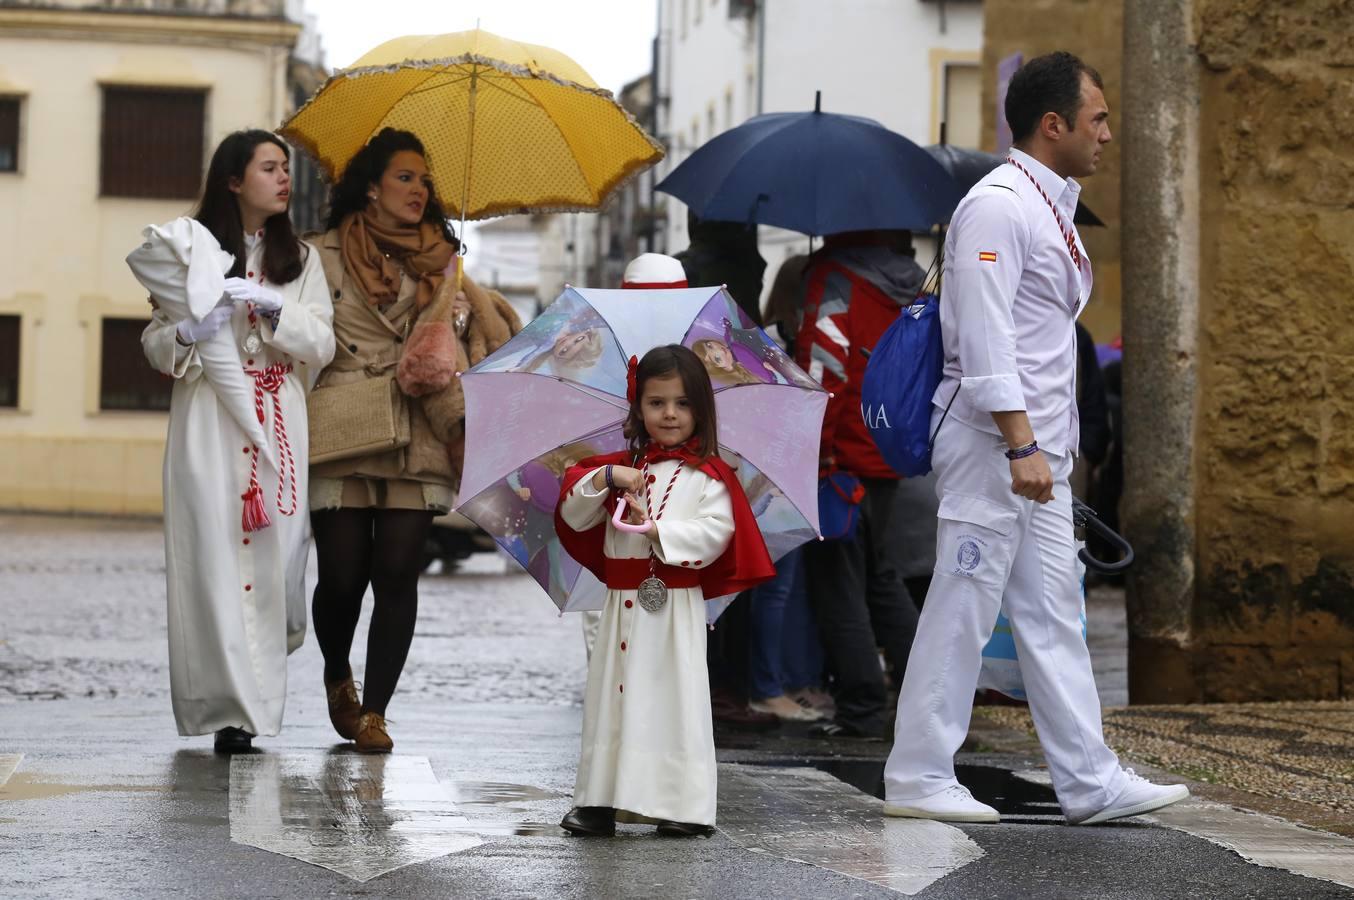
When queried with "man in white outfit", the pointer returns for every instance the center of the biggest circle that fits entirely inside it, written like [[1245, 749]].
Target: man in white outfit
[[1016, 278]]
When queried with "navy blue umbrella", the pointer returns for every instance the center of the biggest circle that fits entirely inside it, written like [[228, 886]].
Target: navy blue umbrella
[[817, 173]]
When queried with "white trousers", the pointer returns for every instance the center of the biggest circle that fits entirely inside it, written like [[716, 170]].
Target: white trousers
[[992, 544]]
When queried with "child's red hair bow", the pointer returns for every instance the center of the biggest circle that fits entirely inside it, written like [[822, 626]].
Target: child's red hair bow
[[631, 389]]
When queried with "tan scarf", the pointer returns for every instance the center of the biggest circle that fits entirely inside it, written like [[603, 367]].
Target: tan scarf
[[374, 257]]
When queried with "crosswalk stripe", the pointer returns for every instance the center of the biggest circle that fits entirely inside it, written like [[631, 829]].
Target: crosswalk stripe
[[807, 816]]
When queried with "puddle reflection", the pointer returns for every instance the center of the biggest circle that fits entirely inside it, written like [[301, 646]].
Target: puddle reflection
[[360, 816]]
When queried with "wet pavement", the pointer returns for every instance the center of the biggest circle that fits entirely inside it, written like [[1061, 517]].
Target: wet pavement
[[100, 798]]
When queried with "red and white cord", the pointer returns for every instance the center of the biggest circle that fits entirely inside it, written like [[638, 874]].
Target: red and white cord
[[254, 516], [1067, 233]]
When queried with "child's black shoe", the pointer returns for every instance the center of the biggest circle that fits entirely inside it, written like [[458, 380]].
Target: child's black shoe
[[590, 821]]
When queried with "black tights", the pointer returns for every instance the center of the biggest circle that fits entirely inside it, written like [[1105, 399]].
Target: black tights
[[357, 547]]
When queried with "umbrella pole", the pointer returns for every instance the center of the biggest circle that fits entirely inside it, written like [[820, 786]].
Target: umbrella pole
[[465, 179]]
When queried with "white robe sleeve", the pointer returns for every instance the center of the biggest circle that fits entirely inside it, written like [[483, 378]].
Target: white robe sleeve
[[305, 327], [584, 507], [700, 539], [164, 352]]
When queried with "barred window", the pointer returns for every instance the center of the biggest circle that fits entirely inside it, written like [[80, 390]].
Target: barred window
[[9, 134], [126, 380], [152, 142], [9, 361]]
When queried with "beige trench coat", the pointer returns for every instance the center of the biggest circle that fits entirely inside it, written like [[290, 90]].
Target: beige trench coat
[[365, 342], [437, 437]]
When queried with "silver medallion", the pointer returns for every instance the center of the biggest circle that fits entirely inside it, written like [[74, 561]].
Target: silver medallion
[[253, 343], [653, 593]]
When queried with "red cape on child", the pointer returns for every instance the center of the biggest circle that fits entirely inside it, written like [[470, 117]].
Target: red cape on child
[[744, 564]]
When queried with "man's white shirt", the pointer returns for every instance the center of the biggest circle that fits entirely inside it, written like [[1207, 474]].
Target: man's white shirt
[[1010, 299]]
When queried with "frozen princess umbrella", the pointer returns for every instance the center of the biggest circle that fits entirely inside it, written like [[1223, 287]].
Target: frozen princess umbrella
[[556, 394]]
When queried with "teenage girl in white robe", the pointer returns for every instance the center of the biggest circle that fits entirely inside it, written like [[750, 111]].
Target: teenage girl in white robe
[[236, 587]]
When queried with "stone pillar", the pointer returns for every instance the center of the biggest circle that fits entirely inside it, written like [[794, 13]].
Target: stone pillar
[[1160, 134], [1239, 350]]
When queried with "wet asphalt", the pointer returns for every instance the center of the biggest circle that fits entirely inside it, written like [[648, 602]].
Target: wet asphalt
[[109, 802]]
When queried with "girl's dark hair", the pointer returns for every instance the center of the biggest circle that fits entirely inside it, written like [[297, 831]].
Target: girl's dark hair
[[1049, 83], [219, 209], [349, 193], [661, 361]]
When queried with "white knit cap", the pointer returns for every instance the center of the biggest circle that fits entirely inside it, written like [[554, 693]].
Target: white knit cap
[[653, 270]]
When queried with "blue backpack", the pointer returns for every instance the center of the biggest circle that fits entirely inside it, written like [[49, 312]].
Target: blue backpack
[[900, 379]]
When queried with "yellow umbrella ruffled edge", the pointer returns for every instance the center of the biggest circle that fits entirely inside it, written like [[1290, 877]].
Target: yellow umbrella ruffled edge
[[627, 174]]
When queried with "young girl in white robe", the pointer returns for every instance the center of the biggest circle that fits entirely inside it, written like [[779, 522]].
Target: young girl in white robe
[[681, 530], [236, 529]]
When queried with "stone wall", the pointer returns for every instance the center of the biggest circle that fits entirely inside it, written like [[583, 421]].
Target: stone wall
[[1274, 612], [1238, 286], [1093, 30]]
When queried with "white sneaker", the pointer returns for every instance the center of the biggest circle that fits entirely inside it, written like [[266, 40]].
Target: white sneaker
[[1138, 796], [953, 804]]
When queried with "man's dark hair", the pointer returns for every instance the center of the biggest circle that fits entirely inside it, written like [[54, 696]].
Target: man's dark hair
[[1049, 83]]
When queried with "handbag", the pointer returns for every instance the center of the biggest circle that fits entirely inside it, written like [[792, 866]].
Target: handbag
[[839, 497], [358, 418]]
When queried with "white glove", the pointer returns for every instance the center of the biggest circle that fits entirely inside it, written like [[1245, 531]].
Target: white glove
[[265, 299], [190, 332]]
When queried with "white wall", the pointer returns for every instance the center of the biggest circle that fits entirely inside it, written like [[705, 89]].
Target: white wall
[[882, 59], [700, 63]]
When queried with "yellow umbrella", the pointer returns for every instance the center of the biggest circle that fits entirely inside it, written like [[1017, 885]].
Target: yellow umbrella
[[508, 127]]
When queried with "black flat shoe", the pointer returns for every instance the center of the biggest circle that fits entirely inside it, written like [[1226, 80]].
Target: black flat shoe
[[684, 829], [233, 740], [590, 821]]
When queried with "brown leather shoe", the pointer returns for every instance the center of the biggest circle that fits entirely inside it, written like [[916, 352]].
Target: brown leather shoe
[[371, 734], [344, 706]]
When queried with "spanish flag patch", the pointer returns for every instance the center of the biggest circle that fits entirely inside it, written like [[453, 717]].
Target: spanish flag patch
[[987, 256]]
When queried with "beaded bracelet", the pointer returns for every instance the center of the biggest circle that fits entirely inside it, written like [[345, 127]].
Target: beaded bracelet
[[610, 485], [1021, 452]]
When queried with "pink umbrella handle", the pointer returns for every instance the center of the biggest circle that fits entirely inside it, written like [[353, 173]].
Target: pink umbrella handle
[[618, 519]]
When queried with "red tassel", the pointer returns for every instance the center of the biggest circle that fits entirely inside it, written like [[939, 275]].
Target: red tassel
[[255, 517]]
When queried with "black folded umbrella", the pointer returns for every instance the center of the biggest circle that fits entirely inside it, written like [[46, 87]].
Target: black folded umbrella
[[1084, 516], [967, 167]]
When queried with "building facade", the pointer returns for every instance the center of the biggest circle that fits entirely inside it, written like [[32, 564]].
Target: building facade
[[108, 116], [912, 65]]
